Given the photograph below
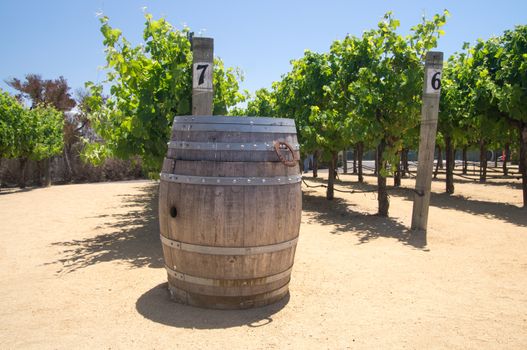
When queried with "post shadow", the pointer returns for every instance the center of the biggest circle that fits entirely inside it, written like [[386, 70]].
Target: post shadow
[[366, 227]]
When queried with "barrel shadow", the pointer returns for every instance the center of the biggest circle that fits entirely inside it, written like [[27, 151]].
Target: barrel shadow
[[157, 306], [134, 237]]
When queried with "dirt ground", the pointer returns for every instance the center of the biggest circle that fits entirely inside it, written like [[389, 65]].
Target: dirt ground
[[81, 267]]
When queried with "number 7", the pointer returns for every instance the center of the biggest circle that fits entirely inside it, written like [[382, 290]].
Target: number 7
[[201, 79]]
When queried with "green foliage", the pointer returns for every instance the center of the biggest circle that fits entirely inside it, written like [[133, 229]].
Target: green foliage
[[94, 153], [150, 84], [44, 133], [30, 134], [226, 88], [500, 89], [456, 104], [263, 104], [484, 90], [11, 113], [303, 93], [347, 58], [386, 95], [484, 93], [510, 73], [328, 129]]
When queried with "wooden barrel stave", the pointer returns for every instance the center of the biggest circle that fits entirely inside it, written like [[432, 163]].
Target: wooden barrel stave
[[222, 169], [233, 216], [233, 267], [237, 137], [228, 156]]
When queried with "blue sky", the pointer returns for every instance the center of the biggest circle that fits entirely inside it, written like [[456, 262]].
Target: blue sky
[[54, 38]]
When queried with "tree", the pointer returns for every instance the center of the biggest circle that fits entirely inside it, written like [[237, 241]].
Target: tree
[[494, 74], [301, 89], [454, 110], [387, 93], [42, 135], [150, 84], [52, 92], [487, 116], [263, 104], [329, 129], [324, 128], [40, 91], [76, 126], [34, 134], [507, 68], [11, 111], [347, 58]]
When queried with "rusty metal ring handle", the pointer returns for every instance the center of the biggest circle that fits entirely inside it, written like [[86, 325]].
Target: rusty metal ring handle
[[289, 163]]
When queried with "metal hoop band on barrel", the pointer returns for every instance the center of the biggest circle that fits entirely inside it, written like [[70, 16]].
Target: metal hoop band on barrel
[[231, 181], [228, 282], [235, 128], [254, 299], [224, 146], [195, 248], [217, 119]]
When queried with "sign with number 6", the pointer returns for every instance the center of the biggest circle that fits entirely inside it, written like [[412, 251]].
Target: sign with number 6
[[202, 76], [433, 78]]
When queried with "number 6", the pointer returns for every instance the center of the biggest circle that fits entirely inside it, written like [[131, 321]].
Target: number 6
[[436, 81]]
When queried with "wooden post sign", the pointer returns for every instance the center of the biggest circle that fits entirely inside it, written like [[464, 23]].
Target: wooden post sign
[[202, 69], [427, 139]]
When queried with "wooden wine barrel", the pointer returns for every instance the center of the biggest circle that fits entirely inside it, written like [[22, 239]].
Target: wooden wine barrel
[[229, 210]]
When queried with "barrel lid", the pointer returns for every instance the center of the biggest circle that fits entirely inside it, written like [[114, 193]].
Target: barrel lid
[[220, 119]]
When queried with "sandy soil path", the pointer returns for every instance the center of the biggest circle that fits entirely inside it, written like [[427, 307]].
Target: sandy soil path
[[81, 267]]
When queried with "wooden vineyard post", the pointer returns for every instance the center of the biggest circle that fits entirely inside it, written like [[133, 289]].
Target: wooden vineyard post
[[427, 139], [202, 69]]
